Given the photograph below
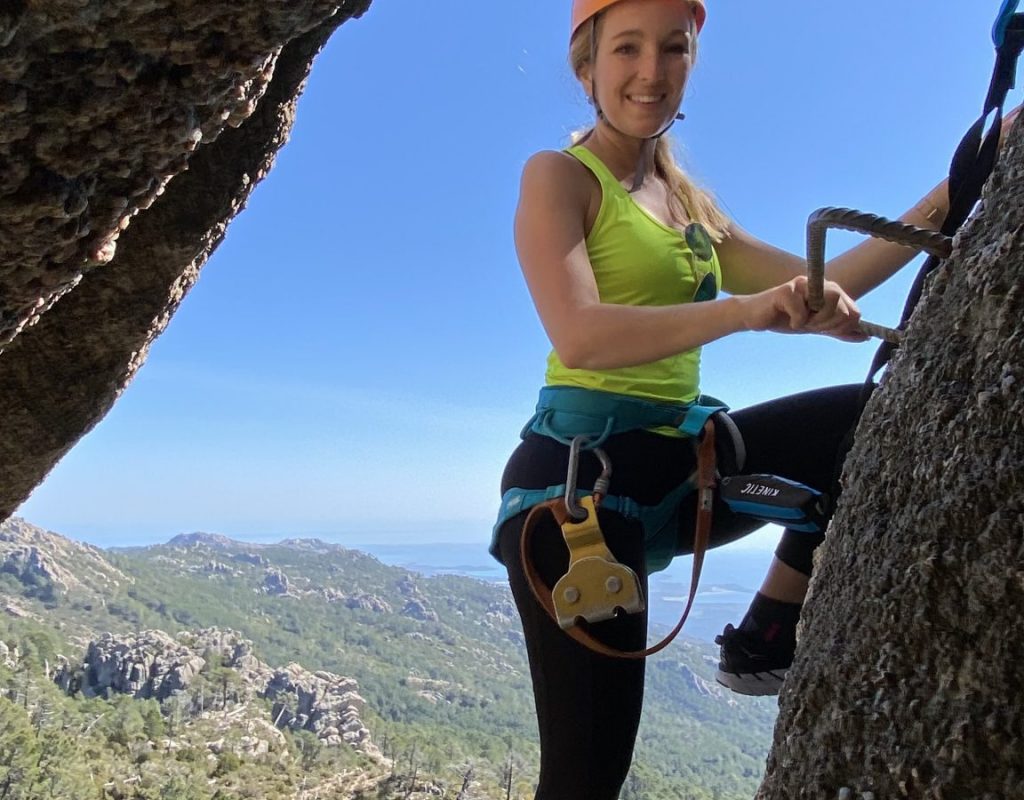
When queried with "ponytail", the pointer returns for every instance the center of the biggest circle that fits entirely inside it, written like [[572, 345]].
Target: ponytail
[[686, 198]]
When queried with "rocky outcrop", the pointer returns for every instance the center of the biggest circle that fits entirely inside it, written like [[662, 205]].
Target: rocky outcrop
[[367, 602], [359, 601], [416, 606], [9, 656], [150, 664], [214, 541], [275, 582], [251, 558], [39, 558], [153, 664], [321, 702], [133, 133], [699, 685]]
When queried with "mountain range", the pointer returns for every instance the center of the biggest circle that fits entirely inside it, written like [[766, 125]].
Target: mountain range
[[305, 669]]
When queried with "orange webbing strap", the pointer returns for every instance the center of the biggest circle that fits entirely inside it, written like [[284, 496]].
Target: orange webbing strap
[[702, 534]]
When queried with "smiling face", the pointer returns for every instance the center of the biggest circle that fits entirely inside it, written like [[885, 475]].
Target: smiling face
[[644, 56]]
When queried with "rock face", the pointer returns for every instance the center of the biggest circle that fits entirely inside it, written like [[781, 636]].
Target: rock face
[[321, 702], [152, 664], [132, 134], [148, 665], [44, 559], [187, 540], [416, 606], [907, 681], [275, 582]]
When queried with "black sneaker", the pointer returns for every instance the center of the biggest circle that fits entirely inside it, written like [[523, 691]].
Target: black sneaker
[[751, 665]]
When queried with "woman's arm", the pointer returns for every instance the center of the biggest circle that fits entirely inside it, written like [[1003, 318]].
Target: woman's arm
[[871, 263], [589, 334], [750, 265], [874, 261]]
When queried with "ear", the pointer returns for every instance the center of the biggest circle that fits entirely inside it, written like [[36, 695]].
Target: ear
[[585, 77]]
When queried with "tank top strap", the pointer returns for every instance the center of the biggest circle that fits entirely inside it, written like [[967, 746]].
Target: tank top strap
[[597, 166]]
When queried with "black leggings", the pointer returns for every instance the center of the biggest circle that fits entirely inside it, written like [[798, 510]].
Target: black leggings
[[588, 705]]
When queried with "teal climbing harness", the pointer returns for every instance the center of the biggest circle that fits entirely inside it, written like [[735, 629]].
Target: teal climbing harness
[[596, 586], [565, 413]]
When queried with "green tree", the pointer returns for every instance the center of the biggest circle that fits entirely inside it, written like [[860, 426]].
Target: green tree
[[19, 751], [153, 726], [124, 725]]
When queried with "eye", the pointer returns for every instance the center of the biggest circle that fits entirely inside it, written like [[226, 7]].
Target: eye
[[627, 48]]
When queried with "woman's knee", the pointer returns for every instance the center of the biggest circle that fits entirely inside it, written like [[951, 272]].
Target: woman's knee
[[796, 550]]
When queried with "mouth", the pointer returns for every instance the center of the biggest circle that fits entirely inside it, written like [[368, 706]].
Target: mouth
[[646, 99]]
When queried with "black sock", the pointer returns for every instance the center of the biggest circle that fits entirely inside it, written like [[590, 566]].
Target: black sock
[[771, 619]]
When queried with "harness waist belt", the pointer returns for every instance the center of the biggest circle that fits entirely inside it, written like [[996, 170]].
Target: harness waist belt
[[564, 412]]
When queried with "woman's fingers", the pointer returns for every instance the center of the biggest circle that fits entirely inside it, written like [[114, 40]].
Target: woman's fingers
[[838, 317], [784, 309], [792, 297]]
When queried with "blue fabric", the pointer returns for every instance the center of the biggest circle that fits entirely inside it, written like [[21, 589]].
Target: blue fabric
[[770, 513], [1003, 22], [792, 518], [660, 522], [565, 412]]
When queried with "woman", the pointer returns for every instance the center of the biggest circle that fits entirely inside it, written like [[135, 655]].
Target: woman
[[624, 257]]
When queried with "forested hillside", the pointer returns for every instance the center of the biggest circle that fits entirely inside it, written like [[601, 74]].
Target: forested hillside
[[209, 668]]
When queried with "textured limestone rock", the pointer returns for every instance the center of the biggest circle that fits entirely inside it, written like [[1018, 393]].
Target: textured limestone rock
[[908, 677], [132, 134]]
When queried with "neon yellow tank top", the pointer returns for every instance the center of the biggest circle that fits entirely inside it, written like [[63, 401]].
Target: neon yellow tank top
[[639, 261]]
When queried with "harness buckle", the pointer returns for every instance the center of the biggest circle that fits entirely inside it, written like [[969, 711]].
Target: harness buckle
[[596, 585]]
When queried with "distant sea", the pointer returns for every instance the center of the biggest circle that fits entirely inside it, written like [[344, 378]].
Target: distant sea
[[728, 581]]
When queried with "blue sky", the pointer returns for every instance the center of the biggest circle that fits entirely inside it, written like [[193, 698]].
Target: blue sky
[[360, 354]]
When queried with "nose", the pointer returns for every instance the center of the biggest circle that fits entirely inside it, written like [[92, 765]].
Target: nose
[[652, 65]]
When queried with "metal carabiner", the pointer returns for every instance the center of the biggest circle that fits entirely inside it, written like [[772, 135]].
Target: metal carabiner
[[576, 511]]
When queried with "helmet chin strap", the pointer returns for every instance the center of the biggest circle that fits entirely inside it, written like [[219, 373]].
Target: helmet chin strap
[[646, 159]]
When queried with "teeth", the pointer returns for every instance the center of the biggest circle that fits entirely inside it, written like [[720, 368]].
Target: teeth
[[646, 98]]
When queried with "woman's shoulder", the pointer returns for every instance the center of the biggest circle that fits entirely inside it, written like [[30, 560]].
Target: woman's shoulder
[[559, 163], [558, 172]]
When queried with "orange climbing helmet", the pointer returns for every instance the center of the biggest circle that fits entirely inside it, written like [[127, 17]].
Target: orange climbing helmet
[[582, 10]]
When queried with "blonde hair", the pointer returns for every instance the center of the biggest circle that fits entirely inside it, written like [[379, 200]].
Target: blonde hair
[[686, 197]]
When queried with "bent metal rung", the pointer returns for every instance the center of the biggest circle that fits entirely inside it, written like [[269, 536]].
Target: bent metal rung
[[820, 221]]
